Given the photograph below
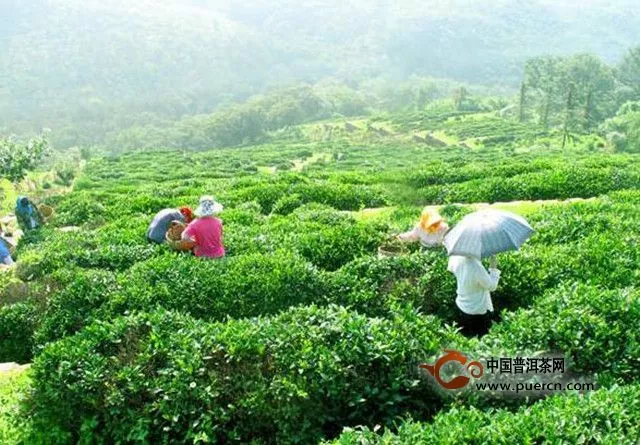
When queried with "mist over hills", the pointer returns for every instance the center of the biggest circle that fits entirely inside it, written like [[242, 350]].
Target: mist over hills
[[88, 59]]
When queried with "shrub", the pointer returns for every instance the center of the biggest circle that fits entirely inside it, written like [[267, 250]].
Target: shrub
[[287, 204], [243, 286], [331, 247], [17, 324], [293, 378], [604, 416], [77, 209], [373, 286], [12, 290], [76, 304], [591, 325]]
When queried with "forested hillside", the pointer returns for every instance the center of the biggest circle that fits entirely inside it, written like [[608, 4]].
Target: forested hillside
[[111, 64]]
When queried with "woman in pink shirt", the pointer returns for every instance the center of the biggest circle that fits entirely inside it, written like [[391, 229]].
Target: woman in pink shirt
[[206, 231]]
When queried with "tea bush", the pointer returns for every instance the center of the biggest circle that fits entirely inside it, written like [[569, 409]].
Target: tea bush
[[287, 204], [76, 304], [372, 285], [290, 379], [591, 325], [17, 324], [78, 209], [559, 183], [604, 416], [244, 286]]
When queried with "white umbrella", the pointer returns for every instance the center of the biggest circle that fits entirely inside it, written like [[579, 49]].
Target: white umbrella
[[487, 232]]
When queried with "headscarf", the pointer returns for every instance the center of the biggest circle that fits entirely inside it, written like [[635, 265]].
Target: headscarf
[[24, 206], [187, 213]]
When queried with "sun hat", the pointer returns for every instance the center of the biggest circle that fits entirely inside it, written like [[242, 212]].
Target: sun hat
[[430, 219], [208, 207]]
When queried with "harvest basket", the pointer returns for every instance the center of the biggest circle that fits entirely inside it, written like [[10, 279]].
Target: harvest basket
[[392, 248], [174, 237], [45, 211]]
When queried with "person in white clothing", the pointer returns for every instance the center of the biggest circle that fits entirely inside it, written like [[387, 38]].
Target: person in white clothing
[[475, 285], [430, 230]]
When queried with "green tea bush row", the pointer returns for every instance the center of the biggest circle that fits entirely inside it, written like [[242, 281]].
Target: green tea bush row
[[557, 184], [115, 246], [339, 196], [76, 304], [327, 238], [77, 209], [371, 285], [604, 416], [295, 378], [17, 323], [591, 325], [243, 286]]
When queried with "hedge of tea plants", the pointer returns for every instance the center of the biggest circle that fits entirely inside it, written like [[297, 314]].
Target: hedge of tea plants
[[605, 416], [302, 331], [165, 377]]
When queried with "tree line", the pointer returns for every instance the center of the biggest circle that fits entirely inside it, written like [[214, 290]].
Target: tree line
[[579, 93]]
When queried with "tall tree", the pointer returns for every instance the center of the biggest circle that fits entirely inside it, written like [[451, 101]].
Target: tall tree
[[629, 73], [568, 114], [590, 82], [545, 76], [594, 89], [523, 101]]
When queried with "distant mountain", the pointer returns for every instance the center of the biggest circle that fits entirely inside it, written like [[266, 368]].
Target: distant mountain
[[92, 59]]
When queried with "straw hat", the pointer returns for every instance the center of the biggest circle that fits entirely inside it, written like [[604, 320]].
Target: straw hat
[[430, 219], [208, 207]]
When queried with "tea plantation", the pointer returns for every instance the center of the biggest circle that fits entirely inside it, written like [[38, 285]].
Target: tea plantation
[[302, 334]]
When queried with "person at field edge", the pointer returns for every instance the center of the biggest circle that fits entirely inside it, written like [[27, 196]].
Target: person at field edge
[[27, 214], [430, 230], [5, 254], [474, 289], [163, 219], [206, 230]]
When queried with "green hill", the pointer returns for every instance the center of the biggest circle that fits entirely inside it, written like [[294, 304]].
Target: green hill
[[92, 60]]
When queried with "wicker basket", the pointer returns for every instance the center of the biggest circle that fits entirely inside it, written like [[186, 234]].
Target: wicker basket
[[45, 211], [174, 237], [181, 246], [391, 251]]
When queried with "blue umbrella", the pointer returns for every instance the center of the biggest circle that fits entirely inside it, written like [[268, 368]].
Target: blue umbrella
[[487, 232]]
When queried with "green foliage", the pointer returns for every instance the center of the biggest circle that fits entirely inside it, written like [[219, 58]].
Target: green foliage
[[605, 416], [287, 204], [76, 304], [244, 286], [17, 323], [65, 174], [373, 286], [291, 378], [300, 242], [17, 158], [78, 210], [14, 389], [629, 73], [576, 92], [623, 130], [592, 326]]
